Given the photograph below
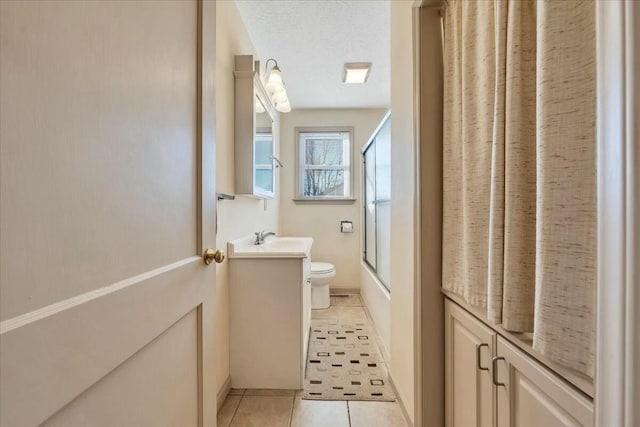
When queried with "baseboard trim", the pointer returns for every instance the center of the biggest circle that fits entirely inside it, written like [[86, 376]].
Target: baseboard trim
[[223, 393], [400, 402], [335, 291]]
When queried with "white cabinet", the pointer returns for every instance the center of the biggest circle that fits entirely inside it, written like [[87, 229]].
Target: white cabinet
[[491, 382], [469, 348], [269, 320], [256, 132], [533, 396]]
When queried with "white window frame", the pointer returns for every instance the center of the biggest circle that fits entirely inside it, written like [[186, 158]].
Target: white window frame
[[301, 166]]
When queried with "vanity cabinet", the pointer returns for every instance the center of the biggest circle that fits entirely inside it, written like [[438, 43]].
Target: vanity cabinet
[[491, 382], [269, 319], [256, 132]]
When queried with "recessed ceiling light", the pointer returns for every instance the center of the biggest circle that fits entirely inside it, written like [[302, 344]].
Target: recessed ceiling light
[[356, 72]]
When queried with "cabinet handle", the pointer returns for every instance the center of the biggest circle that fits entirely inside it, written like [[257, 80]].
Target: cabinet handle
[[479, 355], [494, 363]]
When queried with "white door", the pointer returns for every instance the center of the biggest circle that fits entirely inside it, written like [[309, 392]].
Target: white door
[[107, 204]]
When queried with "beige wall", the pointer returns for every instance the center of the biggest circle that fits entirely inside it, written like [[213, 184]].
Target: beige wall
[[402, 202], [322, 221], [244, 215]]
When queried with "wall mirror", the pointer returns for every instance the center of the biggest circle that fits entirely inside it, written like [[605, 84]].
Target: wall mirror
[[264, 176], [255, 132]]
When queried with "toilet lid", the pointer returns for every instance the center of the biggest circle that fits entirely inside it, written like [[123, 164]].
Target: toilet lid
[[321, 267]]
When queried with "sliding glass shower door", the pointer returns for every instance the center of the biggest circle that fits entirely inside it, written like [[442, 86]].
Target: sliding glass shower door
[[377, 201]]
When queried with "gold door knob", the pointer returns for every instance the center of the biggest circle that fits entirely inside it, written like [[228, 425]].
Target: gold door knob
[[210, 255]]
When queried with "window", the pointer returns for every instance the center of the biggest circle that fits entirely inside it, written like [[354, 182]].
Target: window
[[376, 157], [324, 164]]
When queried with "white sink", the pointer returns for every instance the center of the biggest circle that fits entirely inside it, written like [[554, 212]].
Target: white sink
[[273, 247]]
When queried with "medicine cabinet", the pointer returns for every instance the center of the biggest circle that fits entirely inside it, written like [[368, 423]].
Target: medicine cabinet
[[255, 132]]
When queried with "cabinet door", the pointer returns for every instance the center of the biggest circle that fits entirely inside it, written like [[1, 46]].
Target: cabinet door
[[533, 396], [469, 348]]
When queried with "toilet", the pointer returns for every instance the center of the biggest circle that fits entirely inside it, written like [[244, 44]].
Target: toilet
[[322, 273]]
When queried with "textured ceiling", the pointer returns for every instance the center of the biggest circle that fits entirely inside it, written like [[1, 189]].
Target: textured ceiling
[[312, 39]]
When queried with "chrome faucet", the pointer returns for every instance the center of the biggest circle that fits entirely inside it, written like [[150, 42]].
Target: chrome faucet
[[261, 235]]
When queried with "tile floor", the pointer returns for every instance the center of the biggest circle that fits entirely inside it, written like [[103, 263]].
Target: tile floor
[[283, 408]]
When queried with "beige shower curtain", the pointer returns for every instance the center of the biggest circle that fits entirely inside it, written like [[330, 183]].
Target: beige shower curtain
[[519, 168]]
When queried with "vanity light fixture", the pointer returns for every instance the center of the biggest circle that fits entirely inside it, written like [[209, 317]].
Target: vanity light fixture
[[275, 87], [356, 72]]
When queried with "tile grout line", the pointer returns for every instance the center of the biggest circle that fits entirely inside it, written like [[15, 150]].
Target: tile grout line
[[292, 408], [236, 410]]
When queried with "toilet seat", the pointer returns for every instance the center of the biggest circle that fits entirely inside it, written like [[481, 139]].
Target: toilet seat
[[320, 268]]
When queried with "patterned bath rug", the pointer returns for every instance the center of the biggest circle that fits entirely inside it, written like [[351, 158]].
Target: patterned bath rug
[[344, 363]]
